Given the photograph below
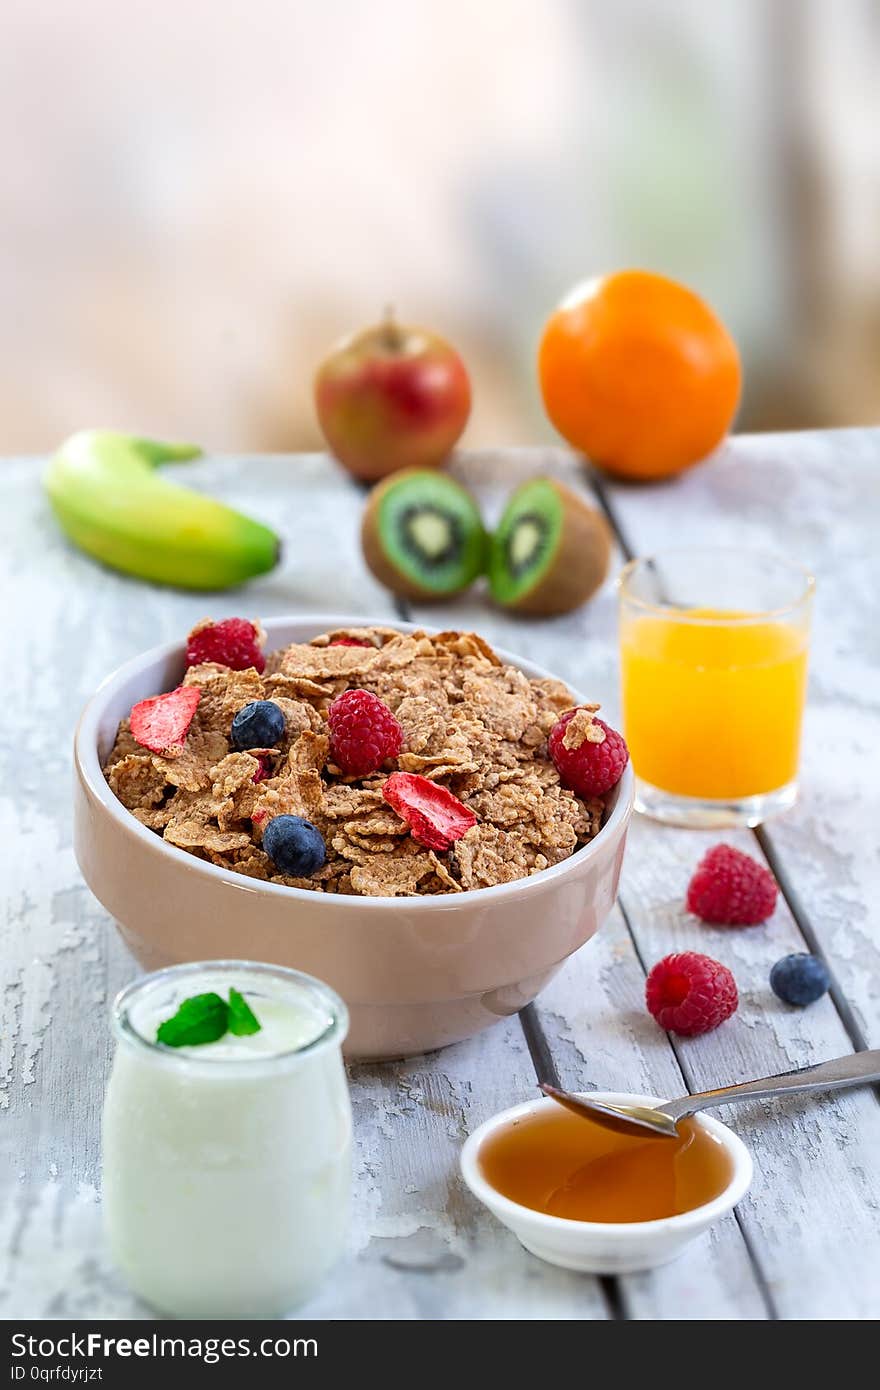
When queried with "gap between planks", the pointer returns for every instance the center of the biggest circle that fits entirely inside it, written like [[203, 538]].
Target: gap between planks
[[546, 1070]]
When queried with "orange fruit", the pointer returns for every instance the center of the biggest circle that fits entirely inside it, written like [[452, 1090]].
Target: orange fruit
[[639, 373]]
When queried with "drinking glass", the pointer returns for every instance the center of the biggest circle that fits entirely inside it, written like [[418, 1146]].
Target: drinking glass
[[713, 656]]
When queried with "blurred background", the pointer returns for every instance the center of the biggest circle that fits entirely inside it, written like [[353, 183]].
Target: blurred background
[[198, 198]]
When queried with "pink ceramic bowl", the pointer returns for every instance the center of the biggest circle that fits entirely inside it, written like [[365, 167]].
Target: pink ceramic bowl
[[416, 973]]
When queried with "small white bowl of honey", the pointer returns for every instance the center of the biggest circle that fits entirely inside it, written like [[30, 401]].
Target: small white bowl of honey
[[584, 1197]]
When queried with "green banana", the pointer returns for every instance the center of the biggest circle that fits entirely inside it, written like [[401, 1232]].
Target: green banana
[[110, 502]]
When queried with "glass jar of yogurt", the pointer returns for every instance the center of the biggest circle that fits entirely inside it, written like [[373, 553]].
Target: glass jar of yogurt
[[227, 1164]]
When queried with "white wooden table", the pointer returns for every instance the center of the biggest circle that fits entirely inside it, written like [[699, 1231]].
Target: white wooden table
[[805, 1243]]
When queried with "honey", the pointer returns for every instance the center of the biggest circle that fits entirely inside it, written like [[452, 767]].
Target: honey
[[560, 1164]]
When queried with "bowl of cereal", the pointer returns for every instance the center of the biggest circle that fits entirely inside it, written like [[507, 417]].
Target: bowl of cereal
[[436, 892]]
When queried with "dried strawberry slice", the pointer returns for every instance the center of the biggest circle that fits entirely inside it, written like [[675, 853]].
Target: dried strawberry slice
[[264, 757], [435, 817], [161, 723], [348, 642]]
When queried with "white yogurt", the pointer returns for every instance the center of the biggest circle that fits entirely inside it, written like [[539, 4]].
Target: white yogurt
[[227, 1166]]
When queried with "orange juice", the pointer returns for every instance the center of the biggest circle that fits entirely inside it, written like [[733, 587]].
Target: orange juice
[[713, 700]]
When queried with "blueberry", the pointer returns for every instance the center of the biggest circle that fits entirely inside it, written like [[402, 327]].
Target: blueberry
[[800, 979], [294, 845], [257, 725]]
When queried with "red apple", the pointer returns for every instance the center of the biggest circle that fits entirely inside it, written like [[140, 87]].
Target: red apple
[[392, 397]]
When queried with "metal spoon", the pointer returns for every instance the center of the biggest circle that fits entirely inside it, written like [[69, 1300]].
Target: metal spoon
[[856, 1069]]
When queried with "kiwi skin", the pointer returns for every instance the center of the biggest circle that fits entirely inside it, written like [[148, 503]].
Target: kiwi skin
[[378, 562], [581, 563]]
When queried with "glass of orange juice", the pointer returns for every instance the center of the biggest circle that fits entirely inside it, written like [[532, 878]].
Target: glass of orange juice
[[713, 652]]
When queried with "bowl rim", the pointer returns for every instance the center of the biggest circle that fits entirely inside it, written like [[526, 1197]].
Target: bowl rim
[[88, 767], [482, 1189]]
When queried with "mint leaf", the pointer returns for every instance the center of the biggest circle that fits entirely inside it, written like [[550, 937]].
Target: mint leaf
[[205, 1018], [201, 1019], [242, 1019]]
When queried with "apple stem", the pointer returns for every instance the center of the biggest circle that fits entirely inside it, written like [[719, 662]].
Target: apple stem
[[391, 334]]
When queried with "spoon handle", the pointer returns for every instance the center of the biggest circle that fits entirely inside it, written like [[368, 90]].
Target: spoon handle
[[855, 1069]]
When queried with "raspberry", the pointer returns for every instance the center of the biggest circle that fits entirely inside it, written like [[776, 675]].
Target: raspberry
[[731, 889], [690, 994], [587, 767], [348, 642], [435, 817], [363, 732], [161, 723], [234, 642]]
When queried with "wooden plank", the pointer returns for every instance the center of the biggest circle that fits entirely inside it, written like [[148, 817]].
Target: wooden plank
[[815, 498], [811, 1217], [425, 1247], [73, 622]]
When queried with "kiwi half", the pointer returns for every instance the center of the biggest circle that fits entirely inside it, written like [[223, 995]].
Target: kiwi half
[[551, 551], [422, 535]]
